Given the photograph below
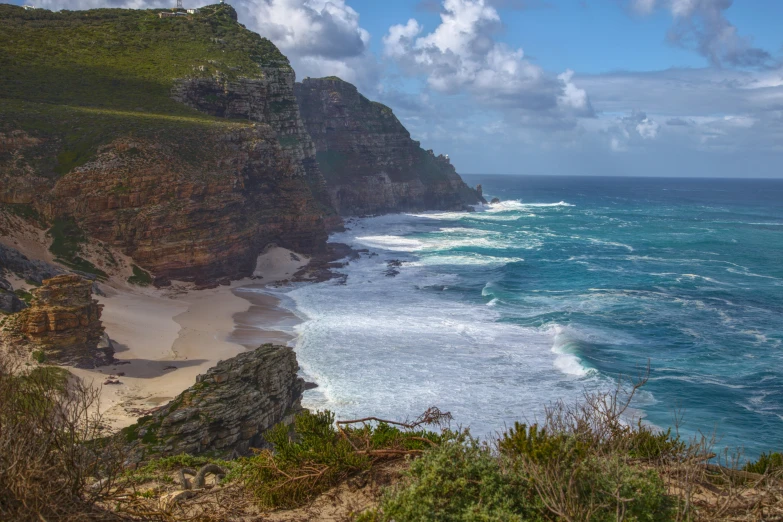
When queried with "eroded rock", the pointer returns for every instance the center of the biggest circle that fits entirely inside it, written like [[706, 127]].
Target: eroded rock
[[226, 411], [63, 323]]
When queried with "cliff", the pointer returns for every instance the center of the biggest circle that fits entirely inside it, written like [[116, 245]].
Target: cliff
[[177, 140], [226, 411], [368, 158], [63, 322]]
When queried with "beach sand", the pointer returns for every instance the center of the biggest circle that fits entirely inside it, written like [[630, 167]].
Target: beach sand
[[164, 338]]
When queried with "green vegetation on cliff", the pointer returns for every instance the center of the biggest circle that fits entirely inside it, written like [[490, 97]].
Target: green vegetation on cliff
[[79, 79], [123, 59]]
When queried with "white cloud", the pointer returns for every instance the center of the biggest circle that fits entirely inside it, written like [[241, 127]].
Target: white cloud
[[461, 54], [573, 97], [647, 129], [322, 28]]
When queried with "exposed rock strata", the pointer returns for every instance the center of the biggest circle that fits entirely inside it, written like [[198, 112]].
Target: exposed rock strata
[[370, 162], [198, 201], [226, 411], [268, 100], [197, 221], [63, 322]]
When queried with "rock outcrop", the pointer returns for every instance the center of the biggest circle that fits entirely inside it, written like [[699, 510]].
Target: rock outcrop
[[188, 194], [368, 158], [226, 411], [63, 322]]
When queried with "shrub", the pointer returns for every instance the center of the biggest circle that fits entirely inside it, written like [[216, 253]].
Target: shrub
[[45, 419], [303, 464], [67, 240], [24, 295], [140, 277], [536, 476], [461, 479], [315, 455], [767, 462]]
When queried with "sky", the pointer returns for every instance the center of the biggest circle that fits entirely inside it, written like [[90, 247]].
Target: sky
[[564, 87]]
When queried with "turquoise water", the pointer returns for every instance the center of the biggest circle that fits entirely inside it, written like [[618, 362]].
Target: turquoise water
[[564, 285]]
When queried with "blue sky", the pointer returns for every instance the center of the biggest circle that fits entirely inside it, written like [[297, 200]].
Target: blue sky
[[615, 87]]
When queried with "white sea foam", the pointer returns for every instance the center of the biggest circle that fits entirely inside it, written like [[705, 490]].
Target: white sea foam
[[391, 346], [517, 204], [566, 361], [465, 259]]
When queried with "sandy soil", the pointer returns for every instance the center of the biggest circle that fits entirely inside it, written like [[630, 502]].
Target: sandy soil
[[165, 338]]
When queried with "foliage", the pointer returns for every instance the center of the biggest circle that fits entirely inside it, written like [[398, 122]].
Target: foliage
[[460, 480], [464, 480], [24, 295], [45, 416], [80, 79], [67, 241], [315, 456], [140, 277], [767, 462], [123, 58]]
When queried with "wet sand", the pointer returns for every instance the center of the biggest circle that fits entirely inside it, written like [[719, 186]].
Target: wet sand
[[264, 322]]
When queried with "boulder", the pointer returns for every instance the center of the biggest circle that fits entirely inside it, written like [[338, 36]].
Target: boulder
[[226, 412]]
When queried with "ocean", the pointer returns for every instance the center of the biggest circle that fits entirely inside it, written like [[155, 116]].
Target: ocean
[[566, 284]]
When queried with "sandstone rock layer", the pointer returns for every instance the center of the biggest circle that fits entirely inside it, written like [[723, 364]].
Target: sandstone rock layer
[[226, 411], [63, 322]]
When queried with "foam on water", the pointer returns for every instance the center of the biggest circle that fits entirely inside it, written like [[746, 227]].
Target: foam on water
[[495, 313], [393, 346]]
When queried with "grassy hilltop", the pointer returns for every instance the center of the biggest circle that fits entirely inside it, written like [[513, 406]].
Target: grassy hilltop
[[86, 77]]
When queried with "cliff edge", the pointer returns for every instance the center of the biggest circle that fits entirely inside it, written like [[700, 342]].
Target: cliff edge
[[368, 158]]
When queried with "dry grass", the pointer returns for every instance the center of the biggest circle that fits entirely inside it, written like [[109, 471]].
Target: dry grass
[[584, 462], [50, 449]]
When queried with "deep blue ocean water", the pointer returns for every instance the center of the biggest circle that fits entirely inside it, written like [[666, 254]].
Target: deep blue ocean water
[[561, 287]]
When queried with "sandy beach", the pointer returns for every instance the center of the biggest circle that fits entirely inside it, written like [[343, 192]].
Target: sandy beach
[[164, 338]]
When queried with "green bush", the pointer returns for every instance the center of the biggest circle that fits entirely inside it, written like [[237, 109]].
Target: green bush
[[645, 444], [539, 446], [67, 241], [315, 455], [303, 464], [766, 462], [535, 476], [460, 480], [140, 277], [24, 295]]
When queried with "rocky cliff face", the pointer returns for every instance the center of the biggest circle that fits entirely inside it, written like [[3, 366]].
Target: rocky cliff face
[[194, 220], [368, 158], [63, 321], [199, 205], [227, 410], [119, 149]]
